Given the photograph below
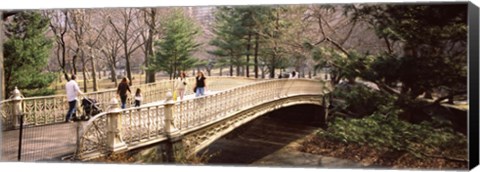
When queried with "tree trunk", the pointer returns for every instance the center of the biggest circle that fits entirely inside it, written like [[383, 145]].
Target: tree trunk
[[248, 53], [221, 70], [94, 72], [65, 74], [2, 69], [231, 70], [63, 60], [275, 47], [272, 70], [84, 72], [150, 74], [74, 60], [263, 74], [129, 72], [174, 66], [114, 74], [172, 72], [209, 71], [256, 55], [238, 70]]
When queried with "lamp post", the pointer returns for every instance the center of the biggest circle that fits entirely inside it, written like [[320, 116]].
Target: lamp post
[[18, 118]]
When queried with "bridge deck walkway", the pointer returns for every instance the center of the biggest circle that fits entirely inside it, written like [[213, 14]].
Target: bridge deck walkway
[[49, 142]]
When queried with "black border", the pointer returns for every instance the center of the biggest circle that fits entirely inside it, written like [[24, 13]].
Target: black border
[[473, 43]]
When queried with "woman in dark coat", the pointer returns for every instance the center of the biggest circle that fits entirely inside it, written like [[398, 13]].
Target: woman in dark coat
[[122, 89], [200, 84]]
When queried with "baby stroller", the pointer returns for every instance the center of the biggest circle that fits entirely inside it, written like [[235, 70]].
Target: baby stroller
[[90, 108]]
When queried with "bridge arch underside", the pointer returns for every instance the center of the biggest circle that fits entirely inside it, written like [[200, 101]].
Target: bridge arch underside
[[195, 140]]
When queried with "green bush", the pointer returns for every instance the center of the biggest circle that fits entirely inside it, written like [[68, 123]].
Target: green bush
[[387, 132], [38, 92], [361, 100]]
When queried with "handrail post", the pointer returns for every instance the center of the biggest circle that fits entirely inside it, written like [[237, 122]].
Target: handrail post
[[175, 150], [170, 128], [114, 127], [17, 107]]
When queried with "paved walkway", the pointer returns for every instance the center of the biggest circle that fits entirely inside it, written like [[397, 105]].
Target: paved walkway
[[42, 143]]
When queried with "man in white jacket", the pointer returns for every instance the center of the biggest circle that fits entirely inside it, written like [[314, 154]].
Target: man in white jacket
[[72, 90]]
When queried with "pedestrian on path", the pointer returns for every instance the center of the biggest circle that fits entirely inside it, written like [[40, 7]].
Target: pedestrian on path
[[138, 97], [293, 75], [122, 89], [181, 84], [200, 84], [72, 91]]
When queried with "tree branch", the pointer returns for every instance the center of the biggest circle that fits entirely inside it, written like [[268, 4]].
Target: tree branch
[[386, 88], [440, 99], [389, 46], [349, 32]]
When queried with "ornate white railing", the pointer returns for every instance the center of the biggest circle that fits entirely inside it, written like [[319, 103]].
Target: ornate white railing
[[194, 113], [135, 127], [141, 124], [6, 111], [52, 109]]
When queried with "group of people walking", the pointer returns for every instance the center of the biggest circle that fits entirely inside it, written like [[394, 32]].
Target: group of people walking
[[180, 84], [198, 89], [122, 89]]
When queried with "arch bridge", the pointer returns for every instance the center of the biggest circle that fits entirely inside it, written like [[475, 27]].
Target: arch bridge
[[178, 129]]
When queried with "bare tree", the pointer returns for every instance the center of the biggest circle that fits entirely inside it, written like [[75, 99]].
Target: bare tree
[[79, 27], [87, 34], [335, 30], [96, 30], [59, 25], [150, 18], [110, 49], [128, 34]]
